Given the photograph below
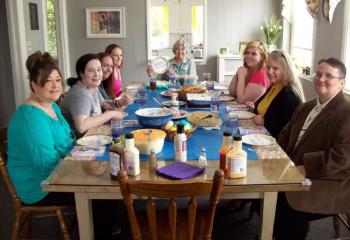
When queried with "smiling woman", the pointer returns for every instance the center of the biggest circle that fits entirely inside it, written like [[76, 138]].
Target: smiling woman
[[82, 105]]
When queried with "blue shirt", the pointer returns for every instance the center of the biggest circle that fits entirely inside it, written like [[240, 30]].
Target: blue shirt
[[36, 142], [186, 67]]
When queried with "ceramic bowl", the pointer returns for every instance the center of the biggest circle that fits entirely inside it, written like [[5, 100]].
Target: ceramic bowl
[[153, 117], [148, 139]]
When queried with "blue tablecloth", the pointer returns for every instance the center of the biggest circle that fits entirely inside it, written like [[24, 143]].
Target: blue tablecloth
[[211, 140]]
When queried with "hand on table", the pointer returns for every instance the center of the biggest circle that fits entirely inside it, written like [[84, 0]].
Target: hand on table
[[251, 106], [258, 119]]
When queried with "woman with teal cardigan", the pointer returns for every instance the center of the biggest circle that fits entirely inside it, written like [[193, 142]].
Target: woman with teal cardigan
[[38, 135]]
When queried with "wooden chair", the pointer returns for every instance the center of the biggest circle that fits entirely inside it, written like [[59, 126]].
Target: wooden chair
[[339, 217], [193, 225], [24, 213]]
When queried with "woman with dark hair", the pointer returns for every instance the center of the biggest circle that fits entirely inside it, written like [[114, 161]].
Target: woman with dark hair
[[107, 70], [82, 105], [38, 135], [115, 87], [250, 81]]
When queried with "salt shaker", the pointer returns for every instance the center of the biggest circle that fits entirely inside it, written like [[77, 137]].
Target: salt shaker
[[152, 162], [202, 160]]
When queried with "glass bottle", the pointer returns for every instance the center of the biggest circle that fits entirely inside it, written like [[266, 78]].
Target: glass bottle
[[224, 149], [202, 160], [152, 162]]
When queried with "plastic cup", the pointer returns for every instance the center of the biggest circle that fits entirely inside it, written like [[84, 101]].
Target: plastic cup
[[117, 130]]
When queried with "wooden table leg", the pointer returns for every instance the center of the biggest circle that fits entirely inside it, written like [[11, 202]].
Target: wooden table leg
[[84, 213], [267, 218]]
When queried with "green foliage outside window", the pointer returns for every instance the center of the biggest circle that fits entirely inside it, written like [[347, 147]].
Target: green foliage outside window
[[51, 27]]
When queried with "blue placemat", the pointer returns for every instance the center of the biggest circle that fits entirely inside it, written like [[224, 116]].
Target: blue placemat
[[211, 140]]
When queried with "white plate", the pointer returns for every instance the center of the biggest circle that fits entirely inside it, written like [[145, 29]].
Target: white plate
[[183, 115], [258, 139], [224, 98], [168, 93], [159, 65], [244, 114], [94, 140], [168, 103]]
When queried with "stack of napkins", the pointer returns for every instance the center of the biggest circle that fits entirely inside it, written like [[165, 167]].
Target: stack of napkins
[[88, 151], [179, 170]]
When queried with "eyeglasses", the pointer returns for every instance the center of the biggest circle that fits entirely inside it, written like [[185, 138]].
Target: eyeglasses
[[328, 76], [107, 65]]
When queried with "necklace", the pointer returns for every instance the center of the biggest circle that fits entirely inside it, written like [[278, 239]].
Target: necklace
[[46, 107]]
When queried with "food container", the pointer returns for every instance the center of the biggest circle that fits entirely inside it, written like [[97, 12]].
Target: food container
[[153, 117], [170, 133], [148, 139]]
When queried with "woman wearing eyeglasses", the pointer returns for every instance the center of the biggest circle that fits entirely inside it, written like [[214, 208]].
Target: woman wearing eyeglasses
[[250, 81], [275, 108]]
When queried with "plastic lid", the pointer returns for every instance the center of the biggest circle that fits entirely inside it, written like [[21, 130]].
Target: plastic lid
[[129, 136], [227, 134], [237, 138], [180, 128]]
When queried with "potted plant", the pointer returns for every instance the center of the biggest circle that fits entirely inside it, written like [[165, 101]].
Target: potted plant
[[272, 31]]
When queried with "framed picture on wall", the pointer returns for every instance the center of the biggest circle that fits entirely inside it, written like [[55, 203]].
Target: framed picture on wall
[[105, 22]]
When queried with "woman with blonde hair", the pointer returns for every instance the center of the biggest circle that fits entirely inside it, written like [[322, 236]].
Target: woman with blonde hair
[[275, 108], [250, 81]]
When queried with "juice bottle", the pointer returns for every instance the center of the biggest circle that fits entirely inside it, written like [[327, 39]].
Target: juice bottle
[[131, 156], [224, 149], [237, 159]]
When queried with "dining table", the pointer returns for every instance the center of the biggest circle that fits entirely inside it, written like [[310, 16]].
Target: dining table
[[269, 171]]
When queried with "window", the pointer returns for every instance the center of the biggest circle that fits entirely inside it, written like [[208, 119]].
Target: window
[[197, 25], [302, 28], [346, 44], [159, 27], [51, 27]]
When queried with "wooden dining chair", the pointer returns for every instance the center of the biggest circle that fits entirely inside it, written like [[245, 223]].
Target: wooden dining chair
[[25, 213], [171, 224], [339, 217]]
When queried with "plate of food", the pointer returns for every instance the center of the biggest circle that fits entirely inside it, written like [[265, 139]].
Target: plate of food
[[169, 92], [204, 119], [225, 98], [169, 103], [94, 140], [179, 114], [244, 114], [258, 139], [159, 65]]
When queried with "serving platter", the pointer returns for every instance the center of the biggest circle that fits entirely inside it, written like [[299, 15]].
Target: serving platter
[[94, 140], [258, 139]]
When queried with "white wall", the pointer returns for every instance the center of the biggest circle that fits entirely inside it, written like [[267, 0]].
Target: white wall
[[229, 22]]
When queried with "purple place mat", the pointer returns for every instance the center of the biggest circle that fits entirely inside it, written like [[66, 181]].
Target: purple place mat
[[179, 170]]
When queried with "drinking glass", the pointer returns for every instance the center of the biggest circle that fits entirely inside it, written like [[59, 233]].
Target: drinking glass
[[117, 130], [209, 84], [214, 103], [153, 84], [231, 123], [142, 96]]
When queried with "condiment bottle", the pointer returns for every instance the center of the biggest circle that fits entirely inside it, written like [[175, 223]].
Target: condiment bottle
[[131, 156], [237, 159], [152, 162], [180, 144], [224, 149], [174, 103], [116, 154], [202, 160]]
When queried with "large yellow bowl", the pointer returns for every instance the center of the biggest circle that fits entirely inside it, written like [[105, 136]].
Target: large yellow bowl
[[148, 139]]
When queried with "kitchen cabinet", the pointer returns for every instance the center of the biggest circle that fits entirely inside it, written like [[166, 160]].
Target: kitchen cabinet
[[180, 17], [227, 66]]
